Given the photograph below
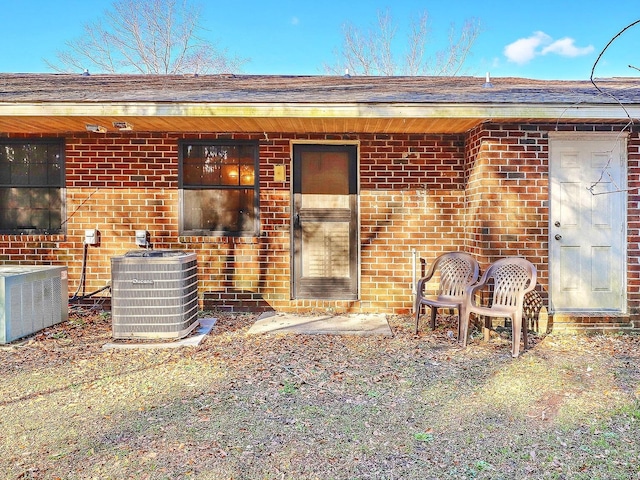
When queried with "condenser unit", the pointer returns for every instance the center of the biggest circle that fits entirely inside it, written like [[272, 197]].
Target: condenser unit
[[154, 294], [32, 297]]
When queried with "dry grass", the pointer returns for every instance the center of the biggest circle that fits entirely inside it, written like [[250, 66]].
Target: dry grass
[[307, 407]]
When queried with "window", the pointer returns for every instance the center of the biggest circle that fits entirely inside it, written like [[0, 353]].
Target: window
[[31, 186], [219, 188]]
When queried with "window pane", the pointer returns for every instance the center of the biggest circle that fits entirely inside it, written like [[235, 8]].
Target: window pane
[[218, 165], [54, 174], [192, 174], [193, 153], [247, 175], [17, 154], [36, 153], [246, 153], [19, 173], [31, 164], [31, 182], [210, 174], [38, 174], [224, 177], [325, 173], [230, 175], [221, 211], [229, 154], [30, 208]]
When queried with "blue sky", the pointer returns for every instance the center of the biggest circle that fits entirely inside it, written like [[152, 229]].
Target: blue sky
[[543, 39]]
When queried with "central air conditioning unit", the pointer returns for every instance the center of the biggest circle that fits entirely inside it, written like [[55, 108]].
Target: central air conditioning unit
[[154, 294], [32, 297]]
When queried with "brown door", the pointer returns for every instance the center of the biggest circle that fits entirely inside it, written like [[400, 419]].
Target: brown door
[[325, 222]]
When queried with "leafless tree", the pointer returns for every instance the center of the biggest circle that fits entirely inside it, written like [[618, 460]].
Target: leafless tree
[[373, 52], [150, 36]]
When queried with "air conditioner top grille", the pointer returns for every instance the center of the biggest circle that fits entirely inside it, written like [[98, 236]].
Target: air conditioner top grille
[[156, 253]]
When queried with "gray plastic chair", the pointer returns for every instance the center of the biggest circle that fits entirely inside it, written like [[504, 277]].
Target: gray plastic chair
[[512, 278], [457, 271]]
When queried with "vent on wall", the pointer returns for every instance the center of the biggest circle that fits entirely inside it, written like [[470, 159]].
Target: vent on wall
[[32, 297], [154, 294]]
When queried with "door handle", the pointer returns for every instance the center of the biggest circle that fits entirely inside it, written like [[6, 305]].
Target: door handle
[[558, 236], [296, 220]]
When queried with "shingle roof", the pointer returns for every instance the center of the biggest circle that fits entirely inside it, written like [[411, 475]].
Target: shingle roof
[[39, 88]]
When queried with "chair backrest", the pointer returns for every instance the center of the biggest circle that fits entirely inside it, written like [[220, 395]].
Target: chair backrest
[[513, 277], [458, 270]]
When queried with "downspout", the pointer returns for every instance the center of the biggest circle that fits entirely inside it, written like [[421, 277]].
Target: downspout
[[414, 278]]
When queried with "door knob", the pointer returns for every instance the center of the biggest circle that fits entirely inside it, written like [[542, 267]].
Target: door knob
[[558, 236]]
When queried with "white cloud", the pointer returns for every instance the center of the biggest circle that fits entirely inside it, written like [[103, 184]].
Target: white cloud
[[524, 50], [566, 47]]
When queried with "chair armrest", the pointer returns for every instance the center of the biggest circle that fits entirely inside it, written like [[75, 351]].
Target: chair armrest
[[470, 292], [426, 277]]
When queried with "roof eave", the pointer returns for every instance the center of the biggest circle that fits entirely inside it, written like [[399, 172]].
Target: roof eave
[[541, 111]]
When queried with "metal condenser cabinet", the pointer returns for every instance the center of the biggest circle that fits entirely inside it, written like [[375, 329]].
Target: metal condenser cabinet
[[154, 294], [32, 297]]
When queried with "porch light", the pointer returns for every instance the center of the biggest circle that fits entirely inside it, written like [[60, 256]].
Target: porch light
[[95, 128], [123, 126]]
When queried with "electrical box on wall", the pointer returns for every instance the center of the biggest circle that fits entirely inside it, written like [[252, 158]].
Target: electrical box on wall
[[91, 236], [279, 173], [143, 239]]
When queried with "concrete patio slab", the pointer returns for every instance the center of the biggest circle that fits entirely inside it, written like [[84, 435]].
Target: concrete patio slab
[[206, 324], [351, 324]]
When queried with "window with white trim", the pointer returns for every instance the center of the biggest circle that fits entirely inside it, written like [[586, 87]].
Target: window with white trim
[[219, 188], [31, 186]]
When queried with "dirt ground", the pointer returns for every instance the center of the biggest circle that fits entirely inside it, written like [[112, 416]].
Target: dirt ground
[[318, 407]]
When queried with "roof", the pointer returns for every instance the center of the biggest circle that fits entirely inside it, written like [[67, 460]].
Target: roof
[[41, 103], [309, 89]]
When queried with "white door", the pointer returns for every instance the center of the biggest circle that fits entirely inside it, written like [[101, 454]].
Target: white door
[[587, 233]]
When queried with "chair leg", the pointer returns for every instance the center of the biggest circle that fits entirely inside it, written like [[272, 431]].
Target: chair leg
[[516, 329], [462, 317], [486, 330], [434, 312], [463, 325], [418, 307]]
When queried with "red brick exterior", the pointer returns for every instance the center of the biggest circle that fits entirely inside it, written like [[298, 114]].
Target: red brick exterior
[[485, 191]]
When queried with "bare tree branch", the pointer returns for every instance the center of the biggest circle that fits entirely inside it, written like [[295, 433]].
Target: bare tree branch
[[374, 52], [453, 58], [152, 37], [605, 170], [384, 59], [593, 69], [415, 63]]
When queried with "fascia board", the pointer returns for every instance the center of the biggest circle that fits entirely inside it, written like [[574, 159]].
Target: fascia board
[[322, 110]]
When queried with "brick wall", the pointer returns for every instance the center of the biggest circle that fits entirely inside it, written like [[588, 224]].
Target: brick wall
[[417, 193], [507, 202], [507, 194]]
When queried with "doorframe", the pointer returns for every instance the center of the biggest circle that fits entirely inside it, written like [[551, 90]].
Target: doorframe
[[624, 150], [292, 144]]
